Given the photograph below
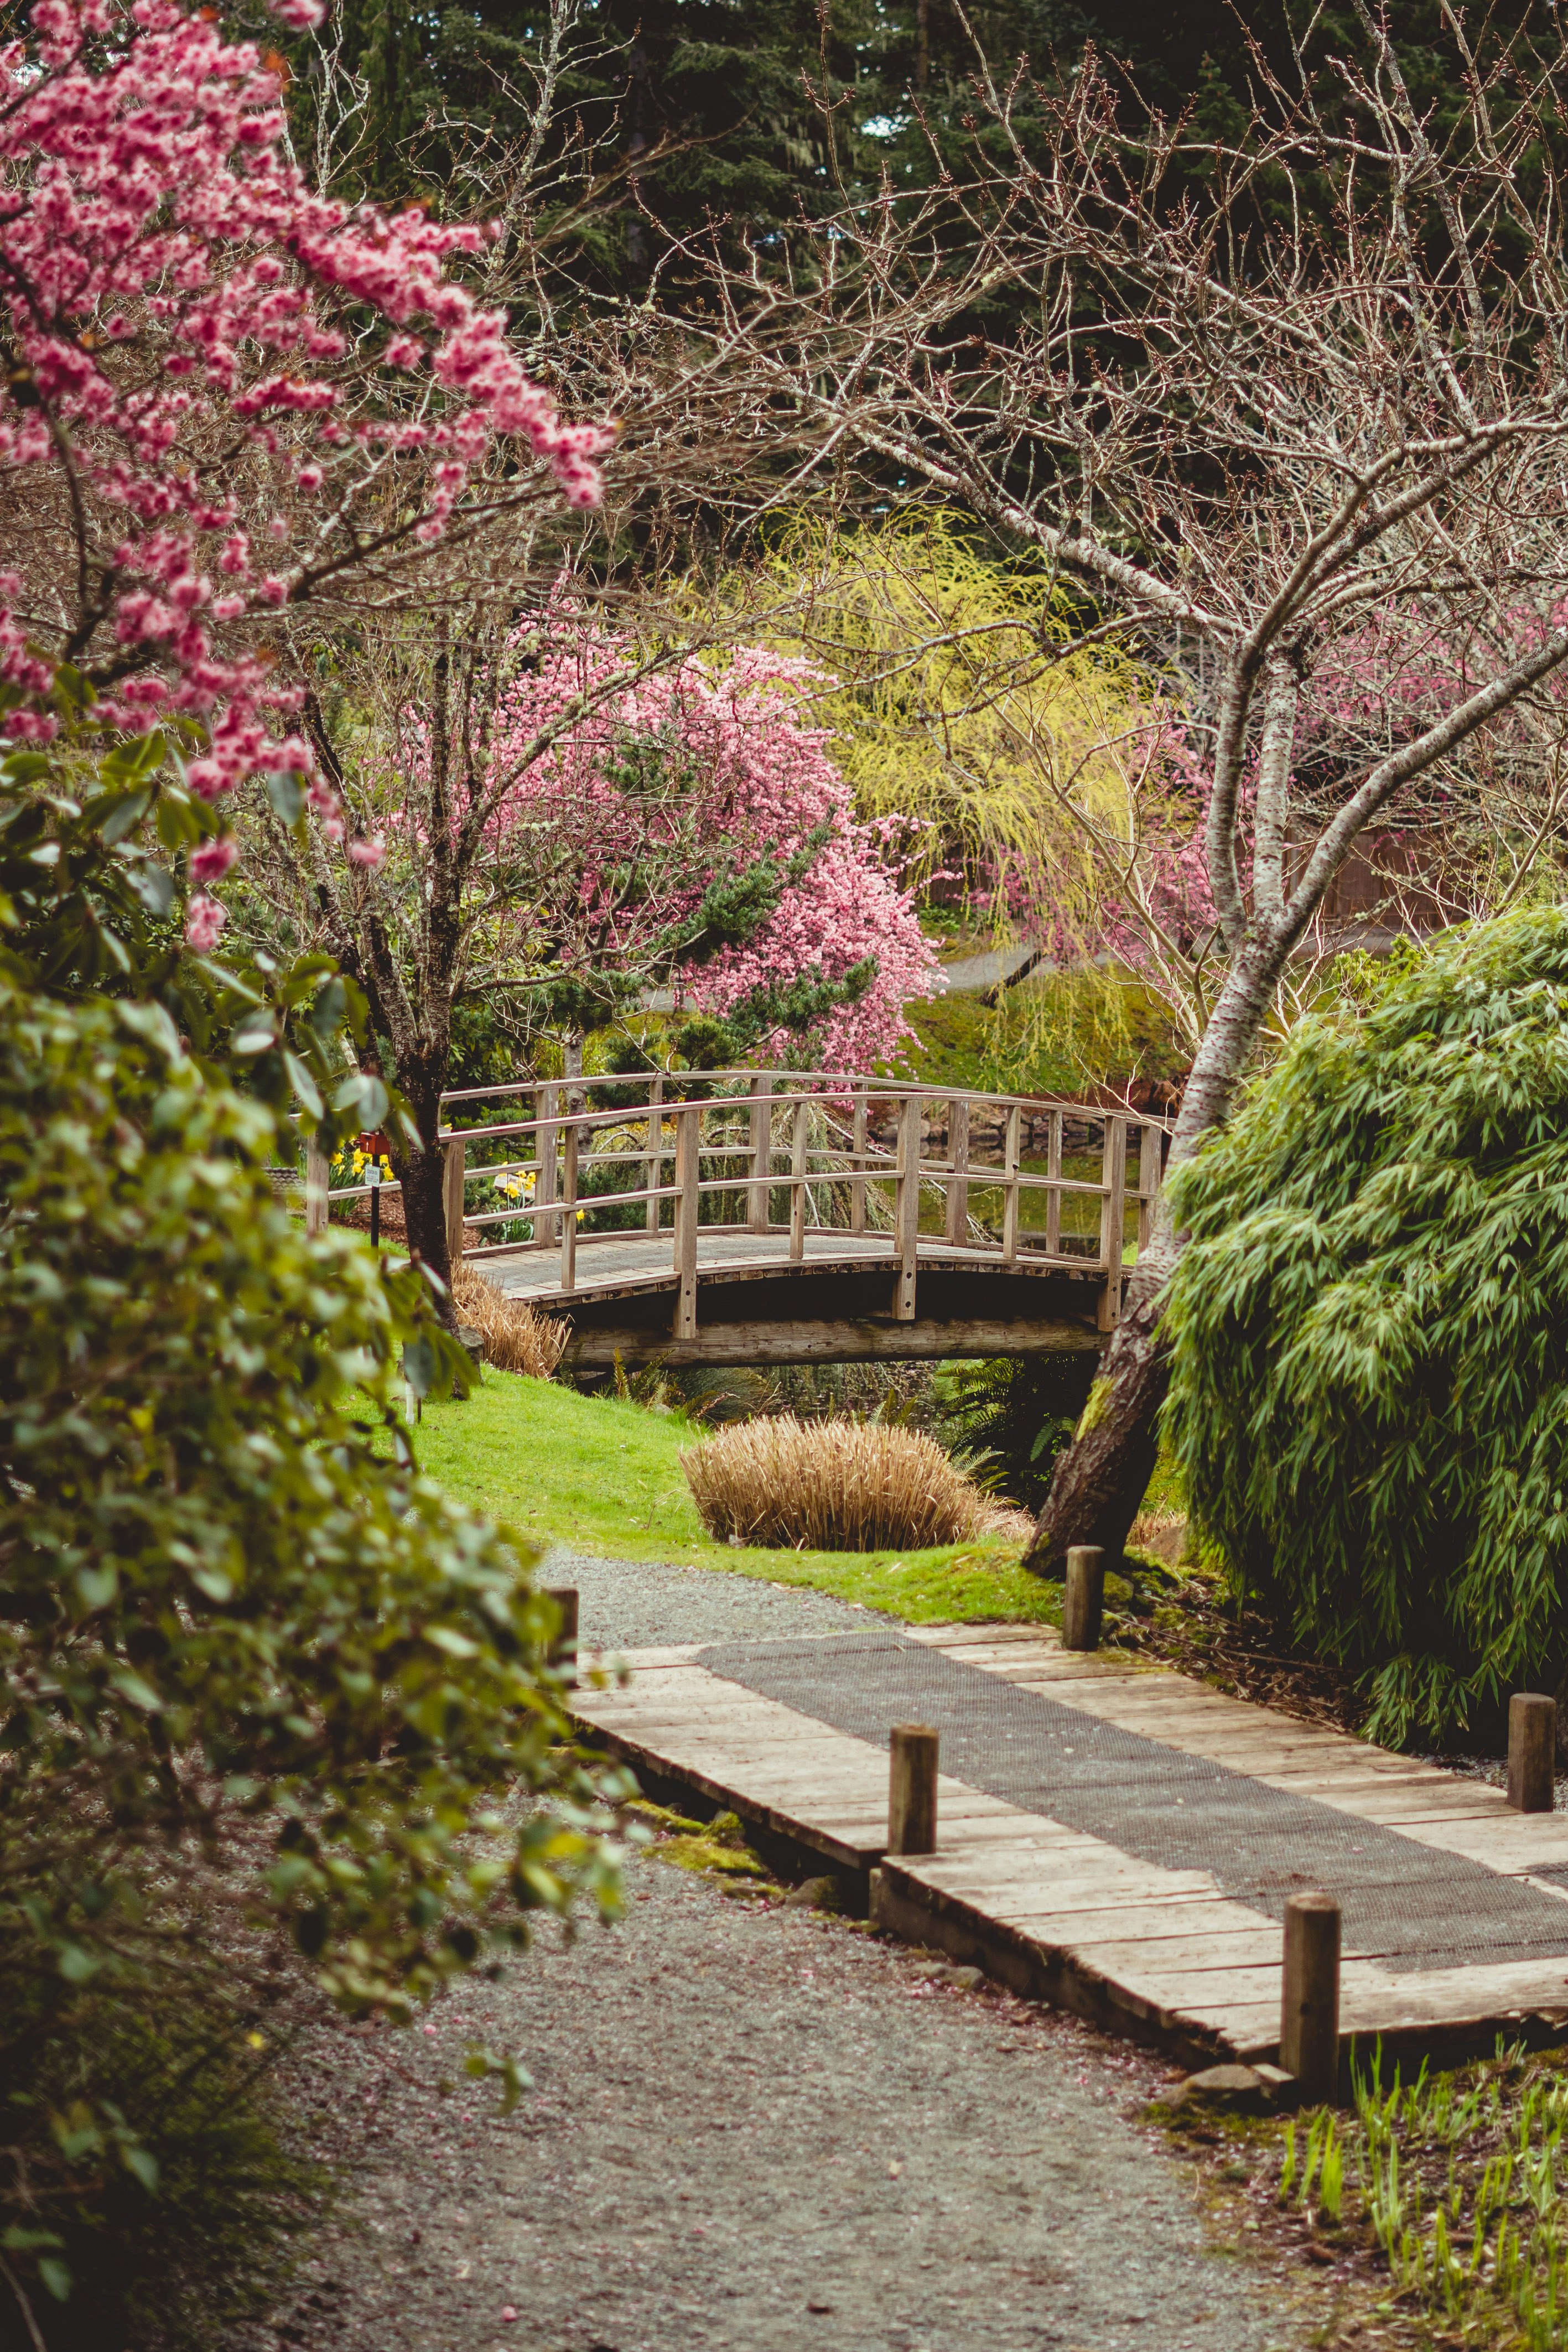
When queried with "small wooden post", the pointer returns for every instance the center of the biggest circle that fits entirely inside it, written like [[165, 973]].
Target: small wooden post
[[1112, 1220], [688, 1159], [545, 1148], [1310, 2001], [758, 1202], [911, 1789], [797, 1179], [1011, 1188], [375, 1204], [317, 1175], [564, 1648], [1083, 1600], [1053, 1198], [569, 1209], [653, 1166], [958, 1160], [452, 1195], [858, 1148], [1531, 1752], [907, 1212]]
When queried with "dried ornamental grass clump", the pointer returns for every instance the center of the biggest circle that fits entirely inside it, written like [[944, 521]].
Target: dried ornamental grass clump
[[836, 1486], [517, 1337]]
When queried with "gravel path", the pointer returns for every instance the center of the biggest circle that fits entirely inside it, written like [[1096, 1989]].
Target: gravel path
[[636, 1604], [756, 2129]]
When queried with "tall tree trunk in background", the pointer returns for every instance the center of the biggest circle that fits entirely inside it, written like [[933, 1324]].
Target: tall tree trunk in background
[[1100, 1477]]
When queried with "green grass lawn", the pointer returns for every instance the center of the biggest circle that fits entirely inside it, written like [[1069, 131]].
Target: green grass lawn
[[601, 1474]]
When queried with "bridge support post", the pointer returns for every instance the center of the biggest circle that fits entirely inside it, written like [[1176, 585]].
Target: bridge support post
[[858, 1150], [757, 1199], [958, 1160], [1010, 1187], [907, 1212], [797, 1183], [545, 1149], [452, 1197], [318, 1176], [653, 1166], [688, 1159], [1112, 1218], [569, 1209], [1053, 1198]]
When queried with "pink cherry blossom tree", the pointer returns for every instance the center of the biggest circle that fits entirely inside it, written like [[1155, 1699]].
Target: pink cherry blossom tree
[[228, 396], [571, 813]]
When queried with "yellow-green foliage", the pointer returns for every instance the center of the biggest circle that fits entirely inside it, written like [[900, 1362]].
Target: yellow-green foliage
[[951, 711]]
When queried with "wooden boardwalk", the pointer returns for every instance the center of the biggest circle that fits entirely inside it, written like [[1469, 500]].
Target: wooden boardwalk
[[1162, 1919]]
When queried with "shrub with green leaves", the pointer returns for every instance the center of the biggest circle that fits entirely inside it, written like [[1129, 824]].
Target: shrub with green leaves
[[259, 1677], [1369, 1391]]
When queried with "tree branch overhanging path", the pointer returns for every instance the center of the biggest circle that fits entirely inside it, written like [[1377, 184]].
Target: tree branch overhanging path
[[1330, 471]]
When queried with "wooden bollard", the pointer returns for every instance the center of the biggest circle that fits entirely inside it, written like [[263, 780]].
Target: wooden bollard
[[1531, 1752], [564, 1649], [911, 1789], [1083, 1601], [1310, 2003]]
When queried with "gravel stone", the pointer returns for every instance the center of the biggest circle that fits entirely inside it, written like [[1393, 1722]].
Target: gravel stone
[[754, 2128]]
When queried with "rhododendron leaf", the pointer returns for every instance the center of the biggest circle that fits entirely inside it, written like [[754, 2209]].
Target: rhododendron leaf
[[286, 791], [56, 2276], [303, 1084], [115, 818], [362, 1092], [177, 819], [154, 885]]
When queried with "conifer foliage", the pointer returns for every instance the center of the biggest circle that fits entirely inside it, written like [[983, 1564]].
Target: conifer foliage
[[1369, 1394]]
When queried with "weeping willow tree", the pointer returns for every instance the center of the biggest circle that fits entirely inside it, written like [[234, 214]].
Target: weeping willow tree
[[1047, 787], [1369, 1386]]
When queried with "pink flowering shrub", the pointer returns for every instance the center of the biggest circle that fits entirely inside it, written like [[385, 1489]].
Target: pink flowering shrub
[[693, 825], [212, 371]]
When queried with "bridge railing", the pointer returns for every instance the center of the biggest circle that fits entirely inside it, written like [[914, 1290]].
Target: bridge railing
[[1072, 1184]]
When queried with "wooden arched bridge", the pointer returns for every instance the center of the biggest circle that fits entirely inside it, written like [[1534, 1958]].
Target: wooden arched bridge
[[746, 1216]]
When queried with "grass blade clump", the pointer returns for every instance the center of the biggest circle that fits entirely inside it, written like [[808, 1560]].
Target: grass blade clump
[[837, 1486], [1369, 1395], [517, 1337]]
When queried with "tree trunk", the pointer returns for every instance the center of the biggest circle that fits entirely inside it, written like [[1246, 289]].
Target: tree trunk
[[1099, 1478], [423, 1174]]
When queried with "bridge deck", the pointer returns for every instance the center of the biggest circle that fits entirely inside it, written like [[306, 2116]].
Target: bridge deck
[[751, 1302], [615, 1265], [1119, 1839]]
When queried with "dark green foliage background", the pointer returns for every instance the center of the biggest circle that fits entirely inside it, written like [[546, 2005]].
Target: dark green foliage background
[[1369, 1391]]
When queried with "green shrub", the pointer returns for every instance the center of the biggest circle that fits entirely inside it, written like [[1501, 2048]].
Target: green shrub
[[1369, 1394], [245, 1646], [1012, 1415], [195, 2233]]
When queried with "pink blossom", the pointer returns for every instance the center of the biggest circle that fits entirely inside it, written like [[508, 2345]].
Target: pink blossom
[[369, 854], [153, 209], [212, 860], [749, 780], [205, 919]]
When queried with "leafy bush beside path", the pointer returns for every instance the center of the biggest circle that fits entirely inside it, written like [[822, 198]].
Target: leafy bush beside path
[[1369, 1397]]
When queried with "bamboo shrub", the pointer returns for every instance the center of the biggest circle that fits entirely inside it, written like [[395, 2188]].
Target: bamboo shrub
[[1369, 1391]]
